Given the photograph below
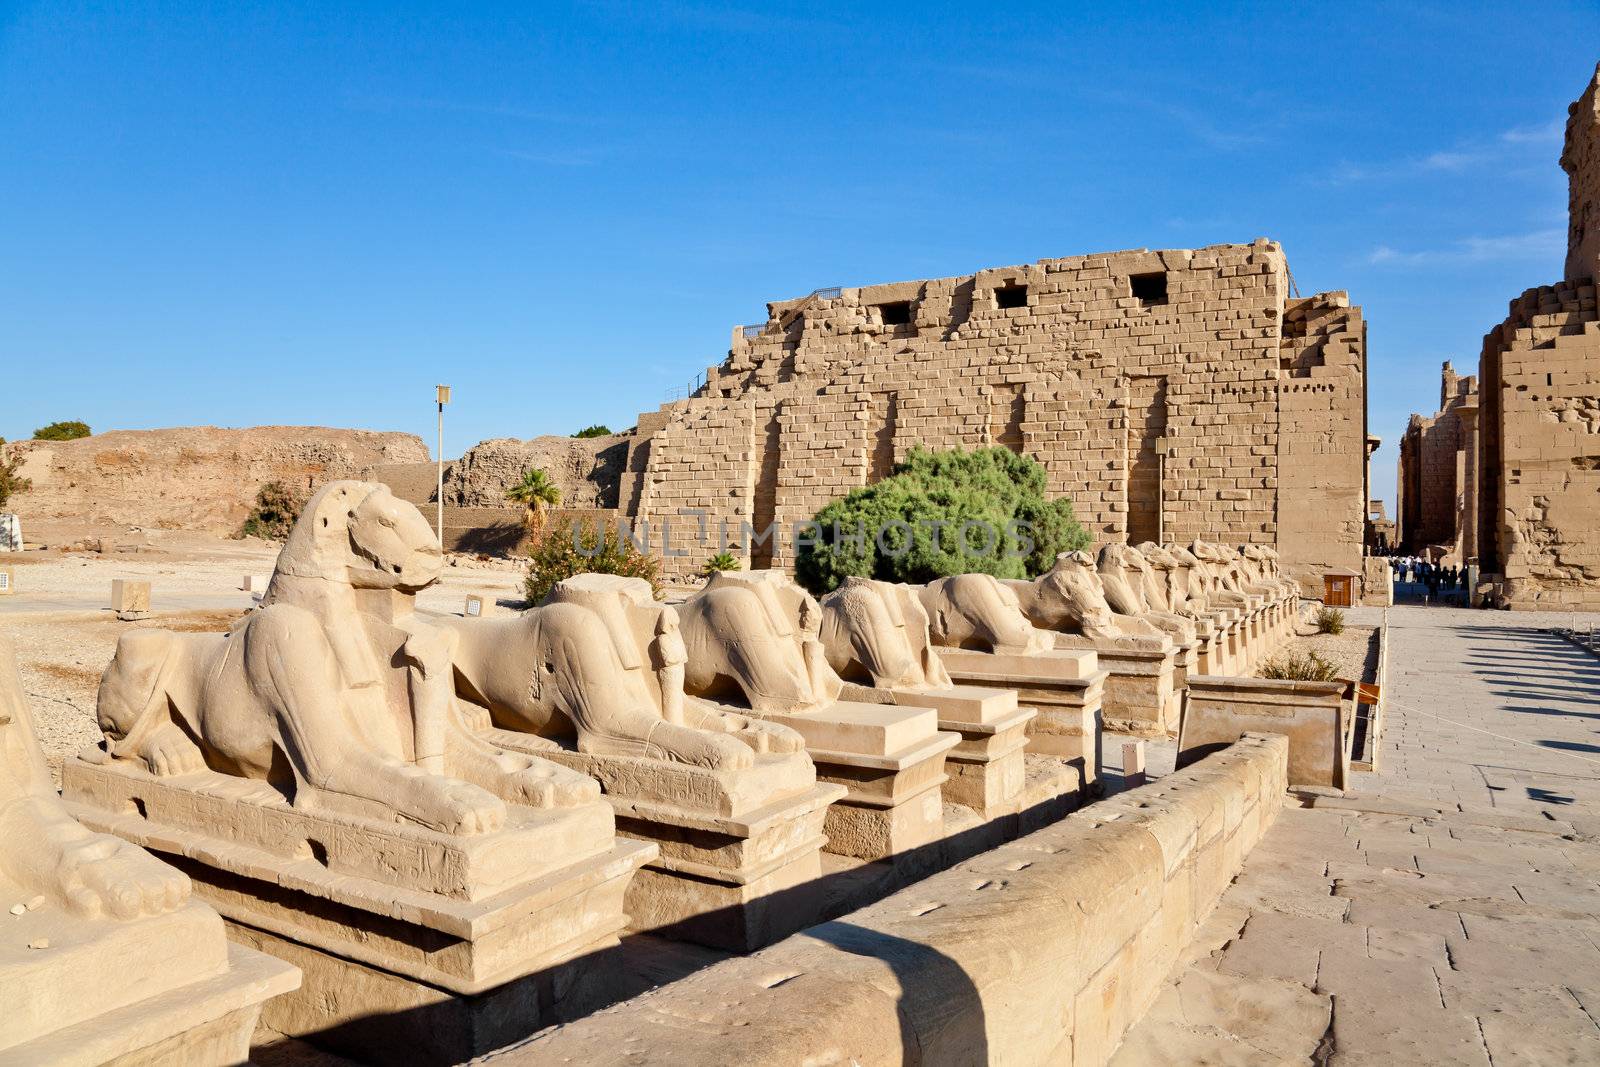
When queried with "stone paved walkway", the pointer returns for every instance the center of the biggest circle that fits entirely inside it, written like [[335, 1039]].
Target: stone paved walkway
[[1448, 911]]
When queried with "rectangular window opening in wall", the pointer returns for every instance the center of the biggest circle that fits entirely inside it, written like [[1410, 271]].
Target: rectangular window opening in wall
[[1149, 289], [1011, 296], [896, 313]]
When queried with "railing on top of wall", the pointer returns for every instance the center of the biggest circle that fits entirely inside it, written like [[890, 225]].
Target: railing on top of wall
[[684, 392]]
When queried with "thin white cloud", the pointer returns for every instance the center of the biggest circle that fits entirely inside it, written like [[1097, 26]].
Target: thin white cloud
[[1506, 148], [1538, 244], [1550, 132]]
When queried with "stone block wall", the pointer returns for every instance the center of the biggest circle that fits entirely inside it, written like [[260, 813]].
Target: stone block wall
[[1541, 467], [1045, 950], [1170, 395], [1438, 469], [1580, 158]]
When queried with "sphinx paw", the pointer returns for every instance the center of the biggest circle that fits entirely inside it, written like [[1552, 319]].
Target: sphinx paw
[[767, 737], [104, 875], [549, 785], [456, 807], [170, 752]]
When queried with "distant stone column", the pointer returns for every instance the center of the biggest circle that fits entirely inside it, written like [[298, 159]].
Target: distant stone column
[[1467, 479]]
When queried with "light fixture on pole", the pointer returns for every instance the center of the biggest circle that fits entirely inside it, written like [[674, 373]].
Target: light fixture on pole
[[442, 393]]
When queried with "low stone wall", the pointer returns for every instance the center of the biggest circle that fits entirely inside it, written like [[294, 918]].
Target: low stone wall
[[1316, 717], [1041, 951]]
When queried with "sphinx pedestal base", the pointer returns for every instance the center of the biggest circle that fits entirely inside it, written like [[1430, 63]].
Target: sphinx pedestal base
[[1140, 695], [727, 840], [377, 1016], [1066, 688], [162, 989], [472, 918], [890, 760], [985, 770]]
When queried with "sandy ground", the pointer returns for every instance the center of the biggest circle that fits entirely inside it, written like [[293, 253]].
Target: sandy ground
[[1354, 652], [65, 632]]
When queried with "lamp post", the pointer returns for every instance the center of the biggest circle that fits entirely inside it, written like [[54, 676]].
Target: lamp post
[[442, 393]]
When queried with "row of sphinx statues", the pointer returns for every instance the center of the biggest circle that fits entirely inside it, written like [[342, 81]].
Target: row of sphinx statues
[[334, 689], [338, 696]]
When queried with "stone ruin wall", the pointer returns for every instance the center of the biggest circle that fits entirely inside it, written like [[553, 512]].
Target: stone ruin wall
[[1541, 500], [1539, 505], [1259, 396], [586, 469], [1580, 158], [202, 478], [1432, 473]]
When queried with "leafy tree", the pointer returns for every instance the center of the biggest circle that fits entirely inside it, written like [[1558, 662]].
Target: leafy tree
[[62, 431], [942, 513], [9, 482], [573, 547], [722, 561], [597, 430], [276, 509], [536, 491]]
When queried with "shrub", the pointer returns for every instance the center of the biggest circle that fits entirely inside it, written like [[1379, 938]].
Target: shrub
[[274, 514], [1330, 621], [722, 561], [9, 482], [569, 547], [942, 513], [62, 431], [1298, 667], [597, 430]]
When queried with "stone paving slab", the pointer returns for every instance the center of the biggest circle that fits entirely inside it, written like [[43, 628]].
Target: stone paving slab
[[1447, 911]]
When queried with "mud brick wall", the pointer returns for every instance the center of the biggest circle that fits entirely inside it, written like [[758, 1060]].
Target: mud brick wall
[[1153, 386]]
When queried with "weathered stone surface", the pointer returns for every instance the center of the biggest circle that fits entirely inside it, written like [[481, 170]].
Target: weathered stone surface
[[193, 477], [1468, 931], [946, 971], [586, 470], [104, 956], [311, 772], [1254, 395]]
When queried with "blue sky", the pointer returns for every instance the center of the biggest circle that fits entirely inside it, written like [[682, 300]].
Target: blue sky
[[311, 213]]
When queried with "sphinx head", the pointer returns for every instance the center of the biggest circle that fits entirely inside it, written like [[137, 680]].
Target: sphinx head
[[392, 545], [1182, 556], [1157, 557], [1071, 589]]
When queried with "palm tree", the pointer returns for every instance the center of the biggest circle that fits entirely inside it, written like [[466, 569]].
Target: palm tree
[[536, 492]]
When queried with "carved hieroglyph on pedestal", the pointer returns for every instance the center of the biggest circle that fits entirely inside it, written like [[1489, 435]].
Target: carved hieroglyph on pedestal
[[752, 642], [985, 639], [104, 955], [876, 638], [310, 771], [593, 678]]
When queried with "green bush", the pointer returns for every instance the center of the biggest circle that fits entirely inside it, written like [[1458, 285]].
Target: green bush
[[1330, 621], [597, 430], [722, 561], [274, 514], [1298, 667], [9, 482], [62, 431], [569, 547], [912, 522]]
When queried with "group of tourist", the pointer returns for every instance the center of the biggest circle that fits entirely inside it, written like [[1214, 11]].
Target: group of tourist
[[1438, 578]]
